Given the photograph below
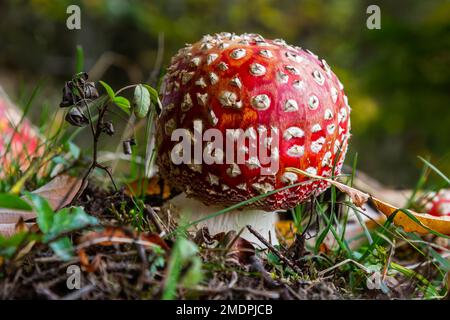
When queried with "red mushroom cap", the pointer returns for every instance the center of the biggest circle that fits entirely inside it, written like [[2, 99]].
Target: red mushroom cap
[[440, 204], [23, 141], [246, 82]]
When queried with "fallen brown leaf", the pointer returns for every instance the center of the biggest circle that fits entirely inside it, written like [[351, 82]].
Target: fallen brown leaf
[[88, 265], [437, 224], [116, 235], [59, 192], [9, 229], [10, 216], [359, 198], [242, 250], [238, 249]]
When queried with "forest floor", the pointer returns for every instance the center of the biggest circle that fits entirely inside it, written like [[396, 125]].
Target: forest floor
[[118, 263]]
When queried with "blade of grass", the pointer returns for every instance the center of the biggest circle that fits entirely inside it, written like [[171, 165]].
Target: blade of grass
[[412, 274], [436, 170], [236, 206], [345, 220], [342, 244], [369, 250], [329, 222], [357, 212], [419, 185]]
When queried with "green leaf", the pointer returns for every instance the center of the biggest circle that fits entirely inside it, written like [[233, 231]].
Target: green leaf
[[44, 212], [123, 103], [10, 201], [69, 219], [108, 89], [183, 254], [154, 96], [8, 245], [55, 224], [273, 259], [80, 60], [63, 248], [187, 249], [141, 101], [60, 160], [194, 274]]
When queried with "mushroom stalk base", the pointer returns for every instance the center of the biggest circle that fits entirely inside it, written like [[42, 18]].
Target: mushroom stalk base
[[191, 209]]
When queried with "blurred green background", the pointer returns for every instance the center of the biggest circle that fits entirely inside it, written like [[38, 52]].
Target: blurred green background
[[397, 78]]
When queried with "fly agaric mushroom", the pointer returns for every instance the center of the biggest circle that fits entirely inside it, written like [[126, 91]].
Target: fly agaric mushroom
[[18, 145], [440, 204], [283, 98]]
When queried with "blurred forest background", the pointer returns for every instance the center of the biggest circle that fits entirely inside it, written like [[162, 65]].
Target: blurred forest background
[[397, 78]]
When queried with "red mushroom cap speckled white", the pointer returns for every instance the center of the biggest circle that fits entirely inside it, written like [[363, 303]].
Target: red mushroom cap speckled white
[[440, 204], [243, 82]]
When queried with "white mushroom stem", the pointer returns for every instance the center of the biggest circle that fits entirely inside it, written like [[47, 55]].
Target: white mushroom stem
[[263, 222]]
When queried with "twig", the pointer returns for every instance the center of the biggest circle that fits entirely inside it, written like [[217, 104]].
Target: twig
[[222, 290], [291, 291], [44, 290], [116, 240], [151, 214], [108, 172], [79, 293], [274, 251], [96, 132]]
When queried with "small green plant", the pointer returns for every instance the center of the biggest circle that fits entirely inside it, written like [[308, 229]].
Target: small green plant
[[184, 256], [56, 225], [88, 108]]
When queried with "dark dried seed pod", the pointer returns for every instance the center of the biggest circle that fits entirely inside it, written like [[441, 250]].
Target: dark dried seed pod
[[90, 91], [76, 118], [82, 75], [65, 103], [108, 128], [126, 147], [68, 96], [132, 141]]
